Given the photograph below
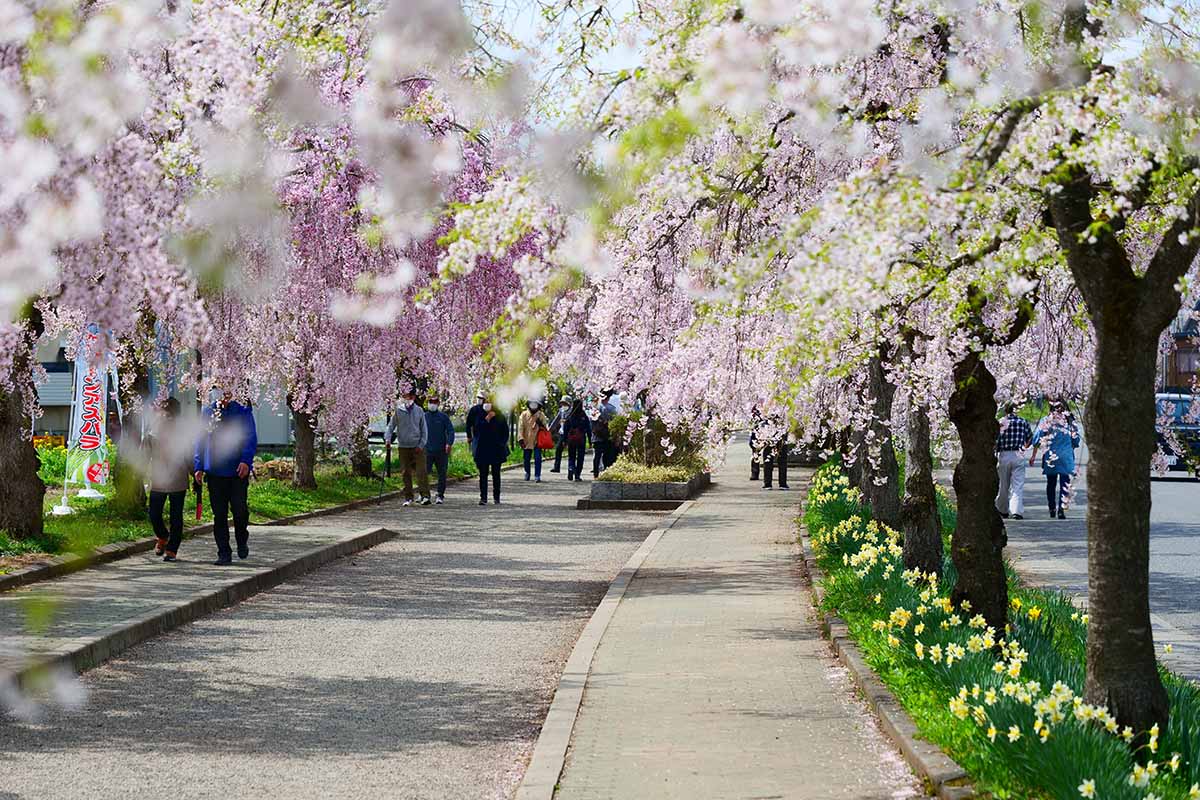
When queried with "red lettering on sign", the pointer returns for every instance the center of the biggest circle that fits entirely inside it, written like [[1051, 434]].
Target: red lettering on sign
[[90, 430]]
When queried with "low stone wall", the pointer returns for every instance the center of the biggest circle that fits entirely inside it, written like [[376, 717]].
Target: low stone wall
[[614, 490]]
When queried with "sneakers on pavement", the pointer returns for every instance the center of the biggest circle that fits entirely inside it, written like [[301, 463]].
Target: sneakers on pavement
[[160, 546], [244, 551], [425, 501], [222, 562], [1062, 514], [483, 502], [170, 557], [1016, 516], [537, 480], [439, 500], [406, 503]]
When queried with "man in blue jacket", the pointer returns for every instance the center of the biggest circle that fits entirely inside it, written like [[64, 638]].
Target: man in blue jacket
[[225, 456], [439, 432]]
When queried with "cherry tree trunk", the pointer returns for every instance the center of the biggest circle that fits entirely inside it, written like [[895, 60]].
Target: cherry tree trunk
[[1119, 423], [304, 456], [21, 490], [360, 455], [977, 545], [881, 471], [918, 512]]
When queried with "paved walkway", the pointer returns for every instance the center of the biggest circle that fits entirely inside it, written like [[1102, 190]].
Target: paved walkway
[[712, 680], [421, 668], [86, 604]]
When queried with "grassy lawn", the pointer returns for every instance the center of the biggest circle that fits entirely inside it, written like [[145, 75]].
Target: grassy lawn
[[1006, 705], [94, 524]]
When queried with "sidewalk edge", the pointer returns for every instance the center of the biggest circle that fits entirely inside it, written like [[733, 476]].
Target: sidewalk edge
[[941, 774], [550, 751], [81, 656]]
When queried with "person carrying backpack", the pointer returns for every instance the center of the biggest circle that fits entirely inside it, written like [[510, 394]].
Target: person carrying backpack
[[577, 430], [605, 453], [556, 430]]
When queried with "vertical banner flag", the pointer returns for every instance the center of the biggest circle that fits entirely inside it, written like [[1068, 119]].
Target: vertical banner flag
[[87, 451]]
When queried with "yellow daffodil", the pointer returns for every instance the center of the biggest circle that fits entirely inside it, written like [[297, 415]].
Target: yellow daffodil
[[1087, 788], [1014, 733], [991, 733], [1169, 648], [1035, 613]]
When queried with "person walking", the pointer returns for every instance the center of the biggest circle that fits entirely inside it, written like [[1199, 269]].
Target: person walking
[[529, 424], [170, 472], [756, 424], [556, 430], [224, 459], [775, 449], [1015, 436], [491, 450], [438, 443], [577, 430], [474, 414], [604, 452], [408, 432], [1058, 462]]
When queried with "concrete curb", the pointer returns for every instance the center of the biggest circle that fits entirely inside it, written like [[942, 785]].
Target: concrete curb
[[57, 566], [943, 777], [83, 654], [550, 752]]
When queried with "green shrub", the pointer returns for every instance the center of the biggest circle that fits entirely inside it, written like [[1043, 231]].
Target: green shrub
[[53, 464], [645, 445], [626, 470], [1028, 679]]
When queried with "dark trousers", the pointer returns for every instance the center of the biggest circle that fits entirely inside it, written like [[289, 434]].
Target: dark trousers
[[775, 457], [558, 451], [575, 454], [439, 462], [536, 455], [755, 463], [175, 536], [1058, 487], [604, 456], [483, 480], [227, 494]]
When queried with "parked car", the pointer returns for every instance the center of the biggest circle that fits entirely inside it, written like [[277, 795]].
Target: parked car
[[1176, 409]]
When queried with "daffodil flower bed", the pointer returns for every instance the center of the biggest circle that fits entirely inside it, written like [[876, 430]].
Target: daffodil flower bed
[[1006, 704]]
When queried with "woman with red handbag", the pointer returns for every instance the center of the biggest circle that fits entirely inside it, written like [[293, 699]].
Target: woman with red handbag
[[530, 429]]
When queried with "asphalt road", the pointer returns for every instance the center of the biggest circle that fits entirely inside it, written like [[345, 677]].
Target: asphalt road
[[1054, 552]]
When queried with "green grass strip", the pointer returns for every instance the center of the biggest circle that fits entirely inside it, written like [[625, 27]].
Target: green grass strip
[[1005, 705]]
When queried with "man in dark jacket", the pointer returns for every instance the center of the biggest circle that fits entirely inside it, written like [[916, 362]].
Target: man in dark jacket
[[474, 414], [439, 439], [224, 458], [606, 451], [491, 450]]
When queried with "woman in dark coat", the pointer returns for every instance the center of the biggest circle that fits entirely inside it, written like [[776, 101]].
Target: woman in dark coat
[[577, 430], [491, 450]]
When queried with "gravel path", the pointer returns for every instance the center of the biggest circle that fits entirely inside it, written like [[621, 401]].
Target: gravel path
[[421, 668]]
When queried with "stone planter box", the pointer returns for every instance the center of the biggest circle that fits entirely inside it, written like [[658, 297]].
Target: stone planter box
[[613, 490]]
